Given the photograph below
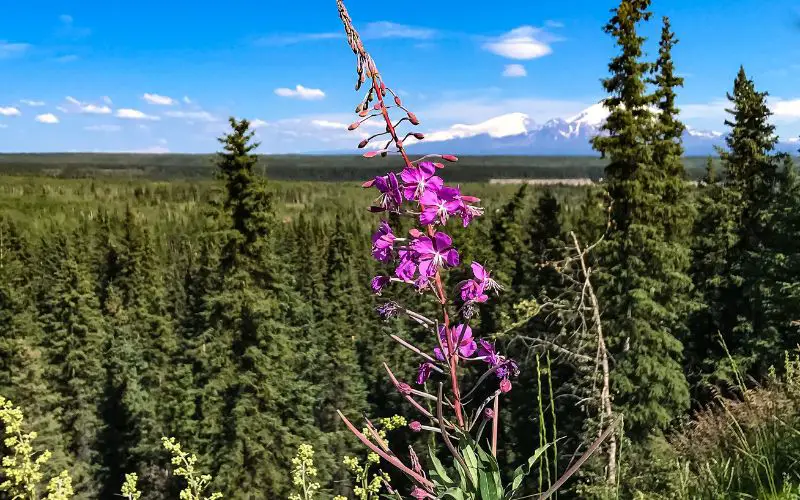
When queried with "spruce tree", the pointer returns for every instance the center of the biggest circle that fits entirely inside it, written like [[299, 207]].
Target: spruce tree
[[74, 335], [252, 411], [640, 268]]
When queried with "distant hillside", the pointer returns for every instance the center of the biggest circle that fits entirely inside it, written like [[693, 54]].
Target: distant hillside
[[304, 167]]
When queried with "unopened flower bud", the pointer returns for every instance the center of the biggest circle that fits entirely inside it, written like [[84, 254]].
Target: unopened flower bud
[[371, 154], [368, 184], [414, 232], [398, 101], [438, 165], [488, 414], [353, 126], [363, 144], [449, 158], [505, 385], [363, 113], [413, 118], [404, 388], [377, 106], [415, 426], [419, 136]]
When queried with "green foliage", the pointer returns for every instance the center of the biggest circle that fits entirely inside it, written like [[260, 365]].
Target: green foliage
[[184, 463], [643, 276]]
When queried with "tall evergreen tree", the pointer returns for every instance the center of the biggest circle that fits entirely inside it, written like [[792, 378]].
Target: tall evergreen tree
[[251, 407], [640, 267], [74, 335]]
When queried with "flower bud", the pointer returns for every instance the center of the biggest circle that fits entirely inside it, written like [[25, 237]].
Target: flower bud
[[415, 426], [368, 184], [371, 154], [415, 233], [438, 165], [413, 118], [363, 144], [363, 113], [505, 385], [488, 414], [449, 158], [377, 106], [470, 199], [398, 101], [353, 126], [404, 388], [419, 136]]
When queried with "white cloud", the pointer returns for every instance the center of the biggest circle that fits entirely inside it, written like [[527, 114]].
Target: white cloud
[[88, 108], [386, 29], [10, 49], [48, 118], [9, 111], [301, 92], [62, 109], [107, 100], [202, 116], [29, 102], [525, 42], [293, 38], [785, 108], [159, 100], [329, 124], [515, 71], [103, 128], [135, 114], [258, 123]]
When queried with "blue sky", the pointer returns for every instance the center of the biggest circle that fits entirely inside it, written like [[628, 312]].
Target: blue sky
[[163, 76]]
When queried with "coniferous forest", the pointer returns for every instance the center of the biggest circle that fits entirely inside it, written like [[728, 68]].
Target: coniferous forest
[[236, 316]]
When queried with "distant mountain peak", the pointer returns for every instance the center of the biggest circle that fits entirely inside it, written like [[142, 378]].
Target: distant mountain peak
[[500, 126], [593, 116]]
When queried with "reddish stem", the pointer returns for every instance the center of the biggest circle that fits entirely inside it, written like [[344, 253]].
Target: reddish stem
[[495, 421]]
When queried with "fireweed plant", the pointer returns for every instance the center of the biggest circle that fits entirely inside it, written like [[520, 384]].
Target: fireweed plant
[[419, 260]]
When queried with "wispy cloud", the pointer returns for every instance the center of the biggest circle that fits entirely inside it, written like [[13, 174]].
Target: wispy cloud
[[135, 114], [279, 39], [68, 29], [11, 49], [785, 109], [88, 108], [48, 118], [523, 43], [515, 71], [300, 92], [103, 128], [159, 100], [201, 116], [67, 58], [9, 111], [258, 123], [388, 29], [29, 102], [329, 124], [371, 31], [186, 100], [107, 100]]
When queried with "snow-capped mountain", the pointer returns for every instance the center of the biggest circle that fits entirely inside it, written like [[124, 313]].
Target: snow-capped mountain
[[519, 134]]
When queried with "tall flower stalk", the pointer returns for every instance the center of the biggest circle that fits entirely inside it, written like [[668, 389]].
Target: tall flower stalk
[[420, 260]]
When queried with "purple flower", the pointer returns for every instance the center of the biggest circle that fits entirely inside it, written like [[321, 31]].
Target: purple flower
[[439, 205], [487, 353], [466, 347], [488, 414], [407, 267], [433, 254], [508, 368], [420, 179], [378, 282], [469, 212], [383, 243], [505, 385], [390, 197], [424, 372], [482, 275], [388, 310]]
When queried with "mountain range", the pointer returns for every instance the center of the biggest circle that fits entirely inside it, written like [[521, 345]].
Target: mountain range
[[518, 134]]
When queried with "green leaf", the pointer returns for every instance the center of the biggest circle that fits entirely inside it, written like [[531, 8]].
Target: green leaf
[[489, 479], [455, 494], [521, 472], [439, 472]]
